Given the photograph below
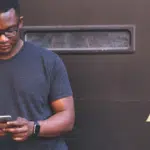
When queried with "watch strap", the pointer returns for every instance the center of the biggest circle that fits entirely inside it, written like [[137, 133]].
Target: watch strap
[[36, 129]]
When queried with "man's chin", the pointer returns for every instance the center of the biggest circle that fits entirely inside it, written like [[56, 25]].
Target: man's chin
[[4, 51]]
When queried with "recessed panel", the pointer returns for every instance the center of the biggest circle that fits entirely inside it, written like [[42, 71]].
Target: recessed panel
[[85, 39]]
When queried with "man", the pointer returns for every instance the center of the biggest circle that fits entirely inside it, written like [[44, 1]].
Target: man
[[34, 90]]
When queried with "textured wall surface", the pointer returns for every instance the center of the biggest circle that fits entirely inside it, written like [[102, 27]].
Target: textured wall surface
[[112, 92]]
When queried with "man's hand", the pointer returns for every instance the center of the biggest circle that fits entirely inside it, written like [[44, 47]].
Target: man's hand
[[20, 129], [3, 125]]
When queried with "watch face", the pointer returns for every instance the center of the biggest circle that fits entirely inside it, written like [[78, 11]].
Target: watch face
[[36, 129]]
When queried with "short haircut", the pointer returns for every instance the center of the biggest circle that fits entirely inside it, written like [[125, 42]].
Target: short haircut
[[6, 5]]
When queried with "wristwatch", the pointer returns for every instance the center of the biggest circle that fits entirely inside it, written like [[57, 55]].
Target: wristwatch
[[36, 129]]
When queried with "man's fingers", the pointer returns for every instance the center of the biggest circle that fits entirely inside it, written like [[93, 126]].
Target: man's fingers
[[16, 130], [19, 139], [19, 129], [3, 125], [2, 133], [16, 123], [20, 136]]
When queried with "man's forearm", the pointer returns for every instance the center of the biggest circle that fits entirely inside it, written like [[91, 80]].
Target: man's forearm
[[57, 124]]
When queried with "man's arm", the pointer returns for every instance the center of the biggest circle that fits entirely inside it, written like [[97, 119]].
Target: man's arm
[[61, 121], [61, 103]]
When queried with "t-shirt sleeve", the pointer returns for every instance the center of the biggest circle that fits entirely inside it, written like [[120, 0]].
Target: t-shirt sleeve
[[60, 85]]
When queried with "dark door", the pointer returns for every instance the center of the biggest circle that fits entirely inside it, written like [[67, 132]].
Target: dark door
[[111, 90]]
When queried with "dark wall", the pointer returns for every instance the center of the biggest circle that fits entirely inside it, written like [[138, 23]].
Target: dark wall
[[111, 91]]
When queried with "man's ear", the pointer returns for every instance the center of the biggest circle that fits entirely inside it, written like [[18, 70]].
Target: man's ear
[[21, 22]]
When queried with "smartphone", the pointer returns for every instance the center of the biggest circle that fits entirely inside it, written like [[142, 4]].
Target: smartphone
[[5, 118]]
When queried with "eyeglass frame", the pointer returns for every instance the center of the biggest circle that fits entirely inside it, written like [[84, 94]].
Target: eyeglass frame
[[3, 32]]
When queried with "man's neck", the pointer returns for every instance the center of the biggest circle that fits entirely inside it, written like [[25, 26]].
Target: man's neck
[[15, 50]]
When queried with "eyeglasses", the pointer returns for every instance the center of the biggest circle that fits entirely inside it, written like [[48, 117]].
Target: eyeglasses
[[10, 32]]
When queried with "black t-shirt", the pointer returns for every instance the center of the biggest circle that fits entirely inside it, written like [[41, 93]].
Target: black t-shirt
[[28, 83]]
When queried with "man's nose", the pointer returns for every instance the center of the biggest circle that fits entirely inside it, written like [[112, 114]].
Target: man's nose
[[3, 38]]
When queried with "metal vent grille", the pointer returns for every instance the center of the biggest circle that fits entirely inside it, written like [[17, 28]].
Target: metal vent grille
[[82, 39]]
